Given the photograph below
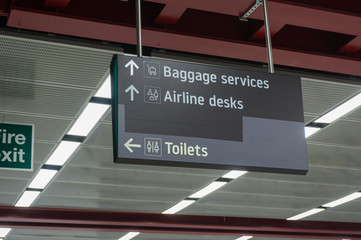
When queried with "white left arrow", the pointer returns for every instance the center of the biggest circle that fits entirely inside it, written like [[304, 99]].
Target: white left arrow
[[132, 90], [129, 145], [132, 65]]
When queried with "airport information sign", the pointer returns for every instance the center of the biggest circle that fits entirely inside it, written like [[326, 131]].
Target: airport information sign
[[176, 113], [16, 146]]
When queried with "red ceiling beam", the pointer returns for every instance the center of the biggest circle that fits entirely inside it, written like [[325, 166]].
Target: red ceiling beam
[[56, 3], [4, 7], [281, 13], [92, 220], [229, 7], [170, 14], [47, 22], [353, 46]]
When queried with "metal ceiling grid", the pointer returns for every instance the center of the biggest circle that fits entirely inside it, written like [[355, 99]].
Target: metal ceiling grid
[[90, 180], [126, 188], [354, 116], [102, 136], [236, 200], [339, 133], [334, 156]]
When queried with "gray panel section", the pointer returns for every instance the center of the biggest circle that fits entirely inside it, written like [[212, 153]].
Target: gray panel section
[[266, 144]]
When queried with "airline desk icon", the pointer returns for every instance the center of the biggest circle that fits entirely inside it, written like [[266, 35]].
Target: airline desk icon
[[152, 94], [151, 70]]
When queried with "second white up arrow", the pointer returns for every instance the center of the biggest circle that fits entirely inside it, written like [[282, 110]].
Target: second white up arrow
[[132, 90]]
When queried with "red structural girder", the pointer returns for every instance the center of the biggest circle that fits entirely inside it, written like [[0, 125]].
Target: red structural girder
[[315, 18], [57, 23], [325, 36], [94, 220], [56, 3]]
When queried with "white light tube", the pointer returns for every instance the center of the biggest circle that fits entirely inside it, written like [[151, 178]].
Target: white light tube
[[244, 238], [88, 119], [42, 179], [208, 189], [179, 206], [306, 214], [311, 130], [341, 110], [343, 200], [62, 153], [234, 174], [27, 198], [4, 232], [129, 236], [105, 90]]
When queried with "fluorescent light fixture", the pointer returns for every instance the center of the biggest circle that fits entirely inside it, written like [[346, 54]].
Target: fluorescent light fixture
[[234, 174], [341, 110], [42, 179], [208, 189], [62, 153], [343, 200], [179, 206], [244, 238], [105, 90], [311, 130], [4, 232], [27, 198], [88, 118], [306, 214], [129, 235]]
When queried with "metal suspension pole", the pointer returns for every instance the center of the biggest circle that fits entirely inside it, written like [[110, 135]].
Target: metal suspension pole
[[268, 38], [139, 28]]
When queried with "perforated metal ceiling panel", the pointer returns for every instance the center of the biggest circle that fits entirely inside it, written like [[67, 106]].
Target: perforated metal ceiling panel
[[45, 84], [320, 96]]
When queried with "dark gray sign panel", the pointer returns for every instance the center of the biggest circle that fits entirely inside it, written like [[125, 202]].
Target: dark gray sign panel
[[168, 112]]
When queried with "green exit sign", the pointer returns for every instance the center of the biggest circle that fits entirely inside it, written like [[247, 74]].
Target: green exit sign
[[16, 146]]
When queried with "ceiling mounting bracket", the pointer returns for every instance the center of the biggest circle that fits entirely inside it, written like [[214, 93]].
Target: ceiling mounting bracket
[[251, 10]]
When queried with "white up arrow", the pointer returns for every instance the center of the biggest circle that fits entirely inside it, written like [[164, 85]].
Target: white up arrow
[[132, 89], [129, 145], [132, 64]]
